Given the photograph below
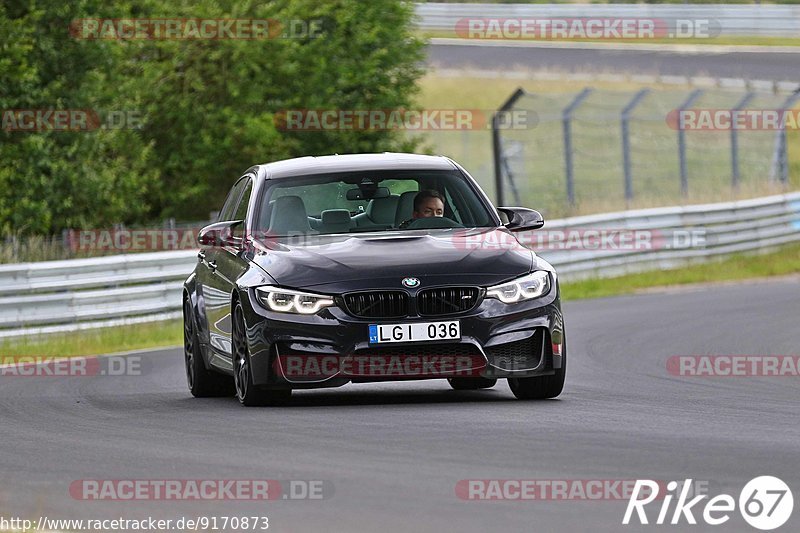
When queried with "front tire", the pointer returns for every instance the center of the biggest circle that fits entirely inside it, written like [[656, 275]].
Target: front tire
[[203, 383], [541, 387], [247, 393]]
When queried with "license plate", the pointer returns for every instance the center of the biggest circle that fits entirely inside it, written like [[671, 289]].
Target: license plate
[[416, 332]]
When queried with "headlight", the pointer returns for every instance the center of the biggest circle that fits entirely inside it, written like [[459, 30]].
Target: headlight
[[289, 301], [527, 287]]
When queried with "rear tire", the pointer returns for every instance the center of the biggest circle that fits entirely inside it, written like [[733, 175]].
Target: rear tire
[[247, 393], [541, 387], [203, 383], [471, 383]]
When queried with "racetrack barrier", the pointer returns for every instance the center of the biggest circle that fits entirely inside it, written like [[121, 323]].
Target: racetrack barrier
[[765, 20], [76, 294]]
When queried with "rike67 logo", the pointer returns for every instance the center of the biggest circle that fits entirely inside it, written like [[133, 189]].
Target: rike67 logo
[[765, 502]]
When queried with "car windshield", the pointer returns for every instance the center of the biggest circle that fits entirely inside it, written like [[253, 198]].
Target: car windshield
[[371, 201]]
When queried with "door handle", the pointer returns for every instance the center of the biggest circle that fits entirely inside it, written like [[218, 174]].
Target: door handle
[[201, 255], [212, 265]]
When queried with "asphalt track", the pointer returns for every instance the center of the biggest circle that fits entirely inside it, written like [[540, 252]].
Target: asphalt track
[[747, 65], [393, 453]]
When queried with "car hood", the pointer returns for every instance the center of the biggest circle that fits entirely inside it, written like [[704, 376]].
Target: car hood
[[347, 262]]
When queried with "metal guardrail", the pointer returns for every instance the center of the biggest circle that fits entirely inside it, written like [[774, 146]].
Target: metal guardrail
[[78, 294], [53, 296], [733, 19], [761, 224]]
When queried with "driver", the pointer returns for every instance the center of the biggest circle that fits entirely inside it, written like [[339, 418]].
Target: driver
[[427, 203]]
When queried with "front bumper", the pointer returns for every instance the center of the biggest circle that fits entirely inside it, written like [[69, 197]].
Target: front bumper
[[501, 340]]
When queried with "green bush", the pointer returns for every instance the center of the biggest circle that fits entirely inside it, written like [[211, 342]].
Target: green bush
[[206, 107]]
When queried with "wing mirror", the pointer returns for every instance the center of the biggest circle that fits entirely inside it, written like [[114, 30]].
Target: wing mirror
[[219, 234], [521, 218]]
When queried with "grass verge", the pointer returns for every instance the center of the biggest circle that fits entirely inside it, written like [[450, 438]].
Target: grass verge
[[95, 341], [739, 267]]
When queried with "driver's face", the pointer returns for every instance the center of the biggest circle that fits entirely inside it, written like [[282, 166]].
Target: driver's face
[[430, 207]]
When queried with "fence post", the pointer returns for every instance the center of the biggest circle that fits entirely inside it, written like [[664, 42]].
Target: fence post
[[735, 142], [626, 148], [497, 146], [682, 141], [566, 121], [780, 161], [507, 153], [67, 239]]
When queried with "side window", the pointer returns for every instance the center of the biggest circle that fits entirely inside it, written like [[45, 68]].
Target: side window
[[226, 213], [241, 209]]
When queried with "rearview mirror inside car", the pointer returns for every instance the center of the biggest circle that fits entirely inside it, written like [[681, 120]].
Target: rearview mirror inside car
[[367, 193]]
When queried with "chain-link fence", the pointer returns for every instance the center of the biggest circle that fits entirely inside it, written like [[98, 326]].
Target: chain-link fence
[[596, 150], [95, 242]]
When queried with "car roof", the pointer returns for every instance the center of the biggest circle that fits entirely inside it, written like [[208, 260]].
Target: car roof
[[303, 166]]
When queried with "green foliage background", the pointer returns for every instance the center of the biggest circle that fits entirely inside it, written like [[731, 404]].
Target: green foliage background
[[207, 105]]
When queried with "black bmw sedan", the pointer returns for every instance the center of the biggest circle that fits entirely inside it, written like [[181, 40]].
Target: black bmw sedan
[[322, 271]]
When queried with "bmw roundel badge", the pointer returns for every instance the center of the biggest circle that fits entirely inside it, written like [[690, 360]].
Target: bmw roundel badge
[[410, 282]]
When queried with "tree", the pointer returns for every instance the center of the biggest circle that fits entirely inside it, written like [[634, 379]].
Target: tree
[[208, 107], [55, 179]]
